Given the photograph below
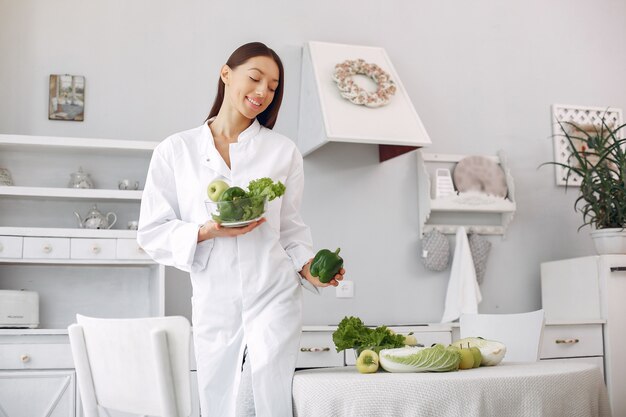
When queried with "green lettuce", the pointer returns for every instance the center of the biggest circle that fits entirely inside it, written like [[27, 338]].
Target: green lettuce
[[265, 187], [353, 334]]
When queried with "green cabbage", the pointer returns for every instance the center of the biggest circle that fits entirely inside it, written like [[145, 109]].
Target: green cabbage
[[493, 352], [420, 359]]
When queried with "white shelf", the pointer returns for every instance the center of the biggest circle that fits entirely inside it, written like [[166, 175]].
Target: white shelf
[[70, 193], [90, 262], [456, 204], [62, 232], [29, 332], [65, 143], [486, 216]]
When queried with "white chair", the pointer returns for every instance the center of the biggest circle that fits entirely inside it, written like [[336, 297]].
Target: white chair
[[138, 366], [521, 333]]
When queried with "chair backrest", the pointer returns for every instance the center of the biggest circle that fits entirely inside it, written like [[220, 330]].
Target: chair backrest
[[138, 366], [521, 333]]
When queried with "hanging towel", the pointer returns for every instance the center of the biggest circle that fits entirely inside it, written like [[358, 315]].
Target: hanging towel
[[463, 294]]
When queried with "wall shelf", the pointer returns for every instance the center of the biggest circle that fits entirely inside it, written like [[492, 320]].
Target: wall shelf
[[68, 232], [75, 270], [487, 216], [70, 193]]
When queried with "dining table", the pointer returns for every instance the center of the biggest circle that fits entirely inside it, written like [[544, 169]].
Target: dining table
[[529, 389]]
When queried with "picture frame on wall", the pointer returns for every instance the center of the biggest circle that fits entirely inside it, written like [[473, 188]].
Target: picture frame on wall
[[577, 119], [67, 97]]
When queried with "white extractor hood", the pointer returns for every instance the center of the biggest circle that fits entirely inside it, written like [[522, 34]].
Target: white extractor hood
[[325, 116]]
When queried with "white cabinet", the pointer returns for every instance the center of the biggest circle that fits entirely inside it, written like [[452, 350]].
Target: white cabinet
[[591, 290], [100, 273], [486, 216], [317, 349], [37, 393], [576, 342]]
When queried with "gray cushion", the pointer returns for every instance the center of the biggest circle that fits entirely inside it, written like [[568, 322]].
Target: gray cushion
[[479, 246], [435, 251]]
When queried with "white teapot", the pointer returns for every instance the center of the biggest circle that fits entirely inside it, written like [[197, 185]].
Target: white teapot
[[96, 220]]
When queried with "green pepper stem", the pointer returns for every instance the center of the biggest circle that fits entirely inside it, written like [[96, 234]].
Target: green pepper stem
[[337, 251]]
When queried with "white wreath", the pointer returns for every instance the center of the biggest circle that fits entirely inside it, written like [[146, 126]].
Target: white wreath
[[350, 90]]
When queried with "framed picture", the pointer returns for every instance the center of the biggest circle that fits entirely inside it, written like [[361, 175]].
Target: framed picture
[[67, 97], [578, 119]]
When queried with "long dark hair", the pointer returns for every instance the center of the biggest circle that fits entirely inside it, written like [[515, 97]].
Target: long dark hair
[[250, 50]]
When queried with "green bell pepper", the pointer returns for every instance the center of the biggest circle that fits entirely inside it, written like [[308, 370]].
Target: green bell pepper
[[326, 265], [230, 208]]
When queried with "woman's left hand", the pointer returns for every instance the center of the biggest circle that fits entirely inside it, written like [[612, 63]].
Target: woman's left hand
[[306, 274]]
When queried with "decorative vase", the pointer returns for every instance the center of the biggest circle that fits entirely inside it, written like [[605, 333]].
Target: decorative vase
[[609, 241]]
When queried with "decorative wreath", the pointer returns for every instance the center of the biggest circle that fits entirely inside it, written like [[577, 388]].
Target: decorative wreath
[[350, 90]]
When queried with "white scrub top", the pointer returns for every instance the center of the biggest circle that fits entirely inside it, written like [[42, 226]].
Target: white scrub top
[[246, 289]]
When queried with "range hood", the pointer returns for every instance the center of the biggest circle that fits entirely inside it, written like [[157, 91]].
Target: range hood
[[325, 116]]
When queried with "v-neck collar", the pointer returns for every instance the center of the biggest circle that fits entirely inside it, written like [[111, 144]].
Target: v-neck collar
[[212, 158]]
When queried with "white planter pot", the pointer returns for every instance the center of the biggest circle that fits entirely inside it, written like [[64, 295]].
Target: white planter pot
[[609, 241]]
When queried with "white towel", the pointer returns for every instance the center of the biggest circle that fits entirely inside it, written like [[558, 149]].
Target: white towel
[[463, 294]]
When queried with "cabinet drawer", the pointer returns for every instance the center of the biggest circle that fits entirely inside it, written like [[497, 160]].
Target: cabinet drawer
[[317, 350], [36, 356], [130, 249], [566, 341], [93, 248], [46, 247], [11, 246], [424, 336], [594, 360]]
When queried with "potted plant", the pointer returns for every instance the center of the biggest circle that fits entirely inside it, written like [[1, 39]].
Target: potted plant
[[598, 158]]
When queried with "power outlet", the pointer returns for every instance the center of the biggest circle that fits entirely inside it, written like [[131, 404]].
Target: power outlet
[[345, 289]]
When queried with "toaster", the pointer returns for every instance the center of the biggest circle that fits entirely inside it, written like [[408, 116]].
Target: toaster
[[19, 309]]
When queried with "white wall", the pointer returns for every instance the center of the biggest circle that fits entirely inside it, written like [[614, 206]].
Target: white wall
[[482, 75]]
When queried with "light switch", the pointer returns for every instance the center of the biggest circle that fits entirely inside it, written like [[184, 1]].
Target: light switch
[[345, 289]]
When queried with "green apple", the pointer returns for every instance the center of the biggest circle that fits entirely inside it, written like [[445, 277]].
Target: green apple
[[367, 362], [215, 189], [467, 359], [478, 357]]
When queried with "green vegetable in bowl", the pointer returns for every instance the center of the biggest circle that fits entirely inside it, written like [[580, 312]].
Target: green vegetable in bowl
[[326, 265], [230, 204], [265, 187], [232, 193], [236, 205]]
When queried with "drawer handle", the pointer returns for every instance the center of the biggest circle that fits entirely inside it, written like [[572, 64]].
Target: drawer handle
[[95, 249], [566, 341], [314, 349], [47, 248], [25, 358]]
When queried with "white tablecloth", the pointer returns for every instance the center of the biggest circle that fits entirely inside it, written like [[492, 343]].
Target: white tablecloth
[[544, 388]]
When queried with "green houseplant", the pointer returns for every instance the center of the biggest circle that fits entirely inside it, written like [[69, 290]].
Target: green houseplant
[[598, 159]]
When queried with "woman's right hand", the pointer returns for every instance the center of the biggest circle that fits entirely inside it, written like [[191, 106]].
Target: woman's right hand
[[210, 230]]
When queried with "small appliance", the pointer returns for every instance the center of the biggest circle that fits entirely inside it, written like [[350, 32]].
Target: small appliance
[[19, 309]]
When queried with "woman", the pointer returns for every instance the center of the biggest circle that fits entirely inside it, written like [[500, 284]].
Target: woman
[[247, 282]]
